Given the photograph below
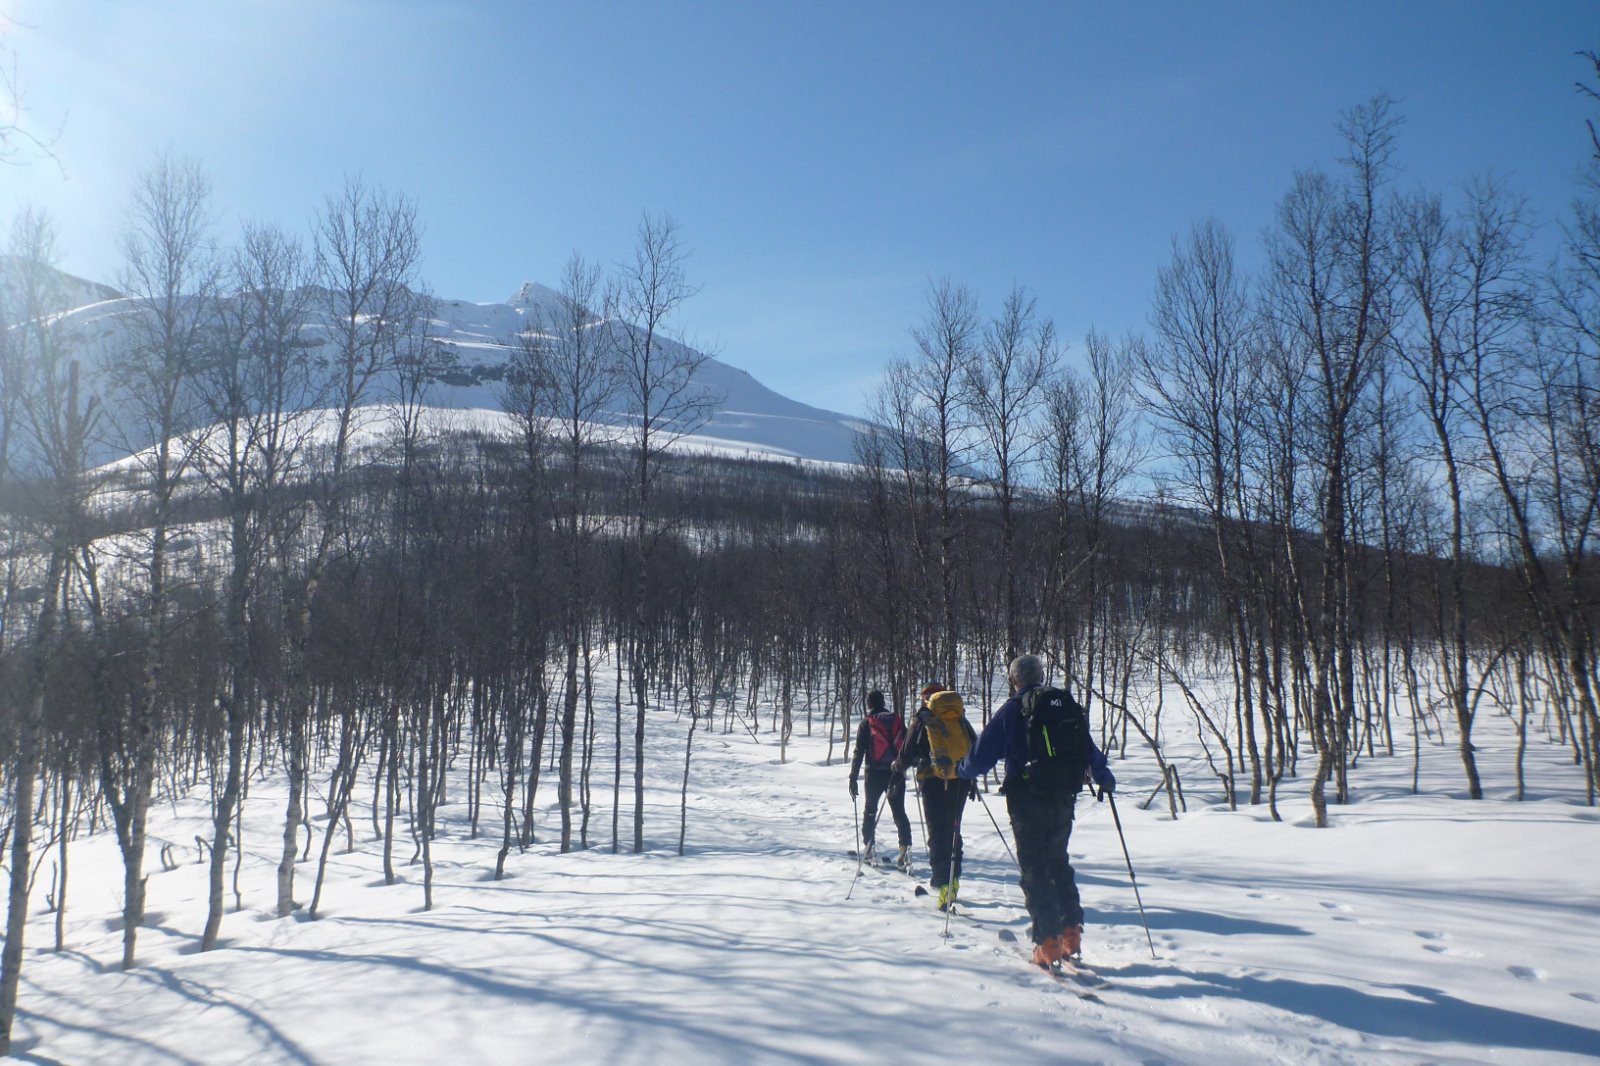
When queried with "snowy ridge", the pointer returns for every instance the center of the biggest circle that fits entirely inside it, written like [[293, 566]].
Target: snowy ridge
[[65, 291], [376, 427], [748, 416]]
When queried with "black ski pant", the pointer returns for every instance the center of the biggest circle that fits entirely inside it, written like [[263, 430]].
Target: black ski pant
[[942, 803], [1042, 825], [879, 782]]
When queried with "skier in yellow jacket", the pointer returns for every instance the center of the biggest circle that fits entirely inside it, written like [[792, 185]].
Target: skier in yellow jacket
[[940, 737]]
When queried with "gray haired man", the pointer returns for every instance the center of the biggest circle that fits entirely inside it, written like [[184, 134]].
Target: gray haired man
[[1041, 815]]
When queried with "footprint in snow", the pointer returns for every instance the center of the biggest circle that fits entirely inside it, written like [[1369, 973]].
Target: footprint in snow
[[1525, 973], [1336, 906], [1438, 948], [1587, 997], [1428, 934]]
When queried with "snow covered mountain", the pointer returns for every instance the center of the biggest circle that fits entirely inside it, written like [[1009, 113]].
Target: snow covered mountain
[[63, 292], [748, 414], [748, 417]]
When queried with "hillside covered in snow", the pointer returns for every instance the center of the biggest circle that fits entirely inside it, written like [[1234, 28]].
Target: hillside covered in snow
[[476, 340]]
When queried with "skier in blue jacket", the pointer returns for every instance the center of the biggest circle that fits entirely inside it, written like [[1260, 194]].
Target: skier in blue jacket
[[1041, 820]]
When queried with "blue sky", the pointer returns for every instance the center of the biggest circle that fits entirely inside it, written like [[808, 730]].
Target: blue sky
[[824, 159]]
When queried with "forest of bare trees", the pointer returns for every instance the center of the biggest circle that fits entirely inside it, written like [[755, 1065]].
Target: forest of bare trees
[[1331, 508]]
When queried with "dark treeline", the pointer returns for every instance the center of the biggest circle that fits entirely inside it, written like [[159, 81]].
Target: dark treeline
[[1330, 511]]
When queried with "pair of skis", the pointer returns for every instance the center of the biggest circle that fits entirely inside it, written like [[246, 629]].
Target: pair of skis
[[1073, 976], [882, 867]]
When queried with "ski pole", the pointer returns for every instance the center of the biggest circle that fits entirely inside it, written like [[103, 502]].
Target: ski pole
[[861, 852], [855, 815], [922, 819], [998, 830], [1131, 877]]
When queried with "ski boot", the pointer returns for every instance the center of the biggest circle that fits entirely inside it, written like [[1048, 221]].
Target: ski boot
[[947, 894], [870, 855], [902, 861], [1047, 953], [1071, 944]]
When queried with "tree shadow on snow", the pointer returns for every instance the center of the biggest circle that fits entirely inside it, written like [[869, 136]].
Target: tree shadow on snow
[[1168, 919], [23, 1051], [210, 998], [1318, 887], [1417, 1013], [613, 968], [624, 1012], [575, 933]]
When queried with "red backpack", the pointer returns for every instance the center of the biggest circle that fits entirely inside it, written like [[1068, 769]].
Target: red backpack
[[886, 735]]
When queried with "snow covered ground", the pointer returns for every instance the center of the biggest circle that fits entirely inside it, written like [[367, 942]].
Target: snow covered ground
[[1417, 929]]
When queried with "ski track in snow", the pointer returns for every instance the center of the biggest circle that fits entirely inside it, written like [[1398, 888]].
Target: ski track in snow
[[1417, 929]]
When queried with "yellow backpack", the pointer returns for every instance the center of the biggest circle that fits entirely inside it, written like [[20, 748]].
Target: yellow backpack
[[949, 735]]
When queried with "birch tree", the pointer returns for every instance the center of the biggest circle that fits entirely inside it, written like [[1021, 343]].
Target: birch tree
[[665, 403]]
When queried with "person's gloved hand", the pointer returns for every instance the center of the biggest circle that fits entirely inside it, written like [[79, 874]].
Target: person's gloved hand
[[853, 788], [1106, 780], [897, 767], [972, 790]]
